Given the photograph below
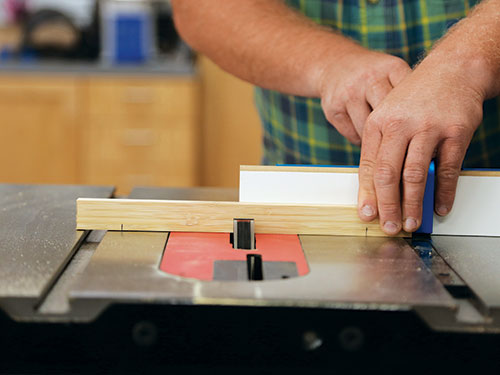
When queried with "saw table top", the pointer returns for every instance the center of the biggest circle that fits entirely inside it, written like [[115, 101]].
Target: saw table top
[[345, 272], [37, 235]]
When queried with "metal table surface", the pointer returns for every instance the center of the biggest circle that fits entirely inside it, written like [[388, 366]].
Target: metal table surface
[[477, 261], [37, 238], [345, 272]]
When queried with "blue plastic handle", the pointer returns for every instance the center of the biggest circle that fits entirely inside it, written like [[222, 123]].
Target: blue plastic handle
[[428, 205]]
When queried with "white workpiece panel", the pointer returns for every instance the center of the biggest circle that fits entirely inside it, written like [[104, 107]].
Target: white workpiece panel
[[299, 187], [476, 211]]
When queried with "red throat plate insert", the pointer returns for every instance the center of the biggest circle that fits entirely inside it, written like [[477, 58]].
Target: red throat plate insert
[[193, 254]]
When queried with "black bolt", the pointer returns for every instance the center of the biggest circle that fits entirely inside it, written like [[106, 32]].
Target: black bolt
[[351, 339], [145, 333]]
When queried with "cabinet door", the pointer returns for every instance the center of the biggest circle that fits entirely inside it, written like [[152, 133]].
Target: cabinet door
[[141, 132], [232, 134], [38, 130]]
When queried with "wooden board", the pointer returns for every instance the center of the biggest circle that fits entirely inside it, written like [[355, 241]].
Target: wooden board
[[476, 211], [199, 216]]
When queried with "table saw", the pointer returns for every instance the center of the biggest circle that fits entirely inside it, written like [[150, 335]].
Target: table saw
[[129, 300]]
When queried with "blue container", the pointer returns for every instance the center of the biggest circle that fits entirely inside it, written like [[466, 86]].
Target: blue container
[[128, 32]]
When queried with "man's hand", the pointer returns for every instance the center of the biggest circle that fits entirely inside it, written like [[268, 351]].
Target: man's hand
[[356, 84], [273, 46], [436, 107], [435, 110]]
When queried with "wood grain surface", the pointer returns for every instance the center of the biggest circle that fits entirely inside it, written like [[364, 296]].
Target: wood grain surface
[[311, 169], [200, 216], [332, 169]]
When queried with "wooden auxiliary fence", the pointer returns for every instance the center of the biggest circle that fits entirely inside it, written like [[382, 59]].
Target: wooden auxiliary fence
[[200, 216]]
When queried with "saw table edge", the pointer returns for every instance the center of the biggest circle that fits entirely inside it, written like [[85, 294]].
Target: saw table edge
[[202, 216]]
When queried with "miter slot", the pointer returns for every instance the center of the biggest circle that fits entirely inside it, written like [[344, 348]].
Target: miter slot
[[37, 241], [243, 236], [453, 283], [443, 272], [476, 260]]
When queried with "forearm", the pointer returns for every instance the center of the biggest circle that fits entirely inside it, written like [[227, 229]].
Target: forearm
[[472, 49], [262, 41]]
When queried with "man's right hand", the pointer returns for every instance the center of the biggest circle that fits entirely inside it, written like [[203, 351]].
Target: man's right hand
[[354, 84]]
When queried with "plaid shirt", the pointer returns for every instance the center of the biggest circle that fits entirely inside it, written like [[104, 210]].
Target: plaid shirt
[[295, 129]]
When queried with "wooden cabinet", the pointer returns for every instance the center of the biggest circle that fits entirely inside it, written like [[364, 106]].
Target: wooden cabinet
[[38, 130], [119, 131], [141, 132], [232, 133], [130, 130]]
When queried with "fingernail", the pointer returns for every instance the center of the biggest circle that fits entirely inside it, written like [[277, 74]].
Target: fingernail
[[410, 224], [390, 227], [442, 210], [367, 211]]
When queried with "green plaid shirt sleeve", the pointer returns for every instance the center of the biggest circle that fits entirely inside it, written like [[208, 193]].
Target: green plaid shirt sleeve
[[295, 129]]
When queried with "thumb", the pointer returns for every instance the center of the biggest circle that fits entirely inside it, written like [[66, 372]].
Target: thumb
[[397, 75]]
